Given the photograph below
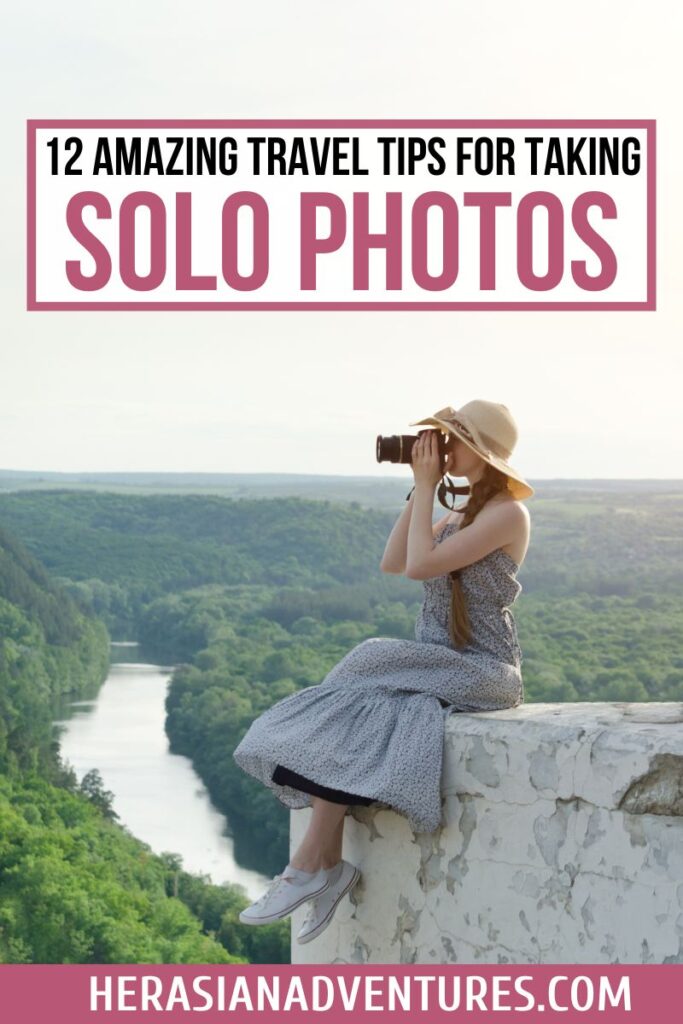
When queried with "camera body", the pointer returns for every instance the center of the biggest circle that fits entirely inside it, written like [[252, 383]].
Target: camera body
[[399, 447]]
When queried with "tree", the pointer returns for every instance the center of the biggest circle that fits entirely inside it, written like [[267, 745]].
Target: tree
[[93, 789]]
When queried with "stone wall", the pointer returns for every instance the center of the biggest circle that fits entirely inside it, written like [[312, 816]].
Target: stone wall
[[562, 843]]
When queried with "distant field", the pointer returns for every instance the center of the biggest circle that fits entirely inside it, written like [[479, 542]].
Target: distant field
[[381, 490], [623, 539]]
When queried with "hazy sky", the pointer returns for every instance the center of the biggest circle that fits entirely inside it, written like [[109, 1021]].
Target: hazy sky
[[594, 394]]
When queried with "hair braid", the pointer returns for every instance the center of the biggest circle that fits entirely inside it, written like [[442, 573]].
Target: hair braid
[[491, 482]]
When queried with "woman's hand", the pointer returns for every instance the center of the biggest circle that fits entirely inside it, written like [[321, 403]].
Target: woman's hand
[[425, 459]]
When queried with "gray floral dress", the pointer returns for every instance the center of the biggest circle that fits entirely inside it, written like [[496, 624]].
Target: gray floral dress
[[375, 724]]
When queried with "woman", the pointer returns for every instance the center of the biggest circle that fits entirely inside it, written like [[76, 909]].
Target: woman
[[373, 730]]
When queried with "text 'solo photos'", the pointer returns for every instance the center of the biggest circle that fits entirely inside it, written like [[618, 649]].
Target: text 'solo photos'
[[341, 513]]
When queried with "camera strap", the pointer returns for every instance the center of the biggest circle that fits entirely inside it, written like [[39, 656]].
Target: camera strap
[[445, 488], [449, 487]]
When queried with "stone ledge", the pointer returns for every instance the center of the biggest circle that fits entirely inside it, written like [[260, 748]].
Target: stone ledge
[[562, 843]]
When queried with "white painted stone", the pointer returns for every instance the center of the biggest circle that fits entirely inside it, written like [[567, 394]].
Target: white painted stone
[[562, 843]]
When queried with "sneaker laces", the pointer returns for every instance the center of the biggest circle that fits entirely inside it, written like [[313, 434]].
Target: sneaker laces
[[277, 880]]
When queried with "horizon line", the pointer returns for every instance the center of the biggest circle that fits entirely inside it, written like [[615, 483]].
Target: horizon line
[[328, 476]]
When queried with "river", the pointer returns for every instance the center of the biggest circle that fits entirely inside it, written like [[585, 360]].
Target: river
[[158, 795]]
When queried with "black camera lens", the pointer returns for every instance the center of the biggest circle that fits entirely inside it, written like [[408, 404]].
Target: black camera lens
[[395, 448], [399, 447]]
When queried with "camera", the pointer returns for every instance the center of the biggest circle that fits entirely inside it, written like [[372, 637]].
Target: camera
[[399, 447]]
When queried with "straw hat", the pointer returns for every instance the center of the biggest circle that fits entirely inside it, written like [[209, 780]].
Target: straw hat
[[489, 430]]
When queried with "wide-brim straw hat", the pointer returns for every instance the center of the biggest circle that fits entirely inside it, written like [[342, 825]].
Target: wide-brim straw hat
[[489, 430]]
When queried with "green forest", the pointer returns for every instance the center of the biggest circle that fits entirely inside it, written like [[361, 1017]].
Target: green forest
[[75, 887], [251, 598]]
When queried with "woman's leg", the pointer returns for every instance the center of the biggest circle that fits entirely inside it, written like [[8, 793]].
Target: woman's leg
[[321, 845]]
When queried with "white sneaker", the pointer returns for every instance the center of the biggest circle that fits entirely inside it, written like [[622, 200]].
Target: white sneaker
[[323, 907], [284, 894]]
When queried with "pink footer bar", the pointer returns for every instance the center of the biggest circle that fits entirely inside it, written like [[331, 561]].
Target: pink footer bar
[[80, 993]]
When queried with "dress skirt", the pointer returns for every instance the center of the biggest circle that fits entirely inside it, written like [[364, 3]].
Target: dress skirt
[[373, 730]]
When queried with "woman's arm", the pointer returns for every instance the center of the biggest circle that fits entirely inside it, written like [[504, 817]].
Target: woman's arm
[[394, 557], [395, 552], [494, 526], [425, 463]]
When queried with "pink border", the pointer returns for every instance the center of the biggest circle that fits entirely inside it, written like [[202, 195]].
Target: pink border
[[32, 125], [60, 993]]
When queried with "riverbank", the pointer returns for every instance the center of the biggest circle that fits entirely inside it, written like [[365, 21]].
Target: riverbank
[[157, 794]]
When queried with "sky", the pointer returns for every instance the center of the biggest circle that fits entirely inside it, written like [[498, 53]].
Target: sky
[[594, 394]]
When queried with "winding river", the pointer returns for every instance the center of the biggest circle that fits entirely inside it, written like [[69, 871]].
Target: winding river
[[157, 795]]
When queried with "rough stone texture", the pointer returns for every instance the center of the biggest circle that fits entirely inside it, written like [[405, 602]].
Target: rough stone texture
[[563, 844]]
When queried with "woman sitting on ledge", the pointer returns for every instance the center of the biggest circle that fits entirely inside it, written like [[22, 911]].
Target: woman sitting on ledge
[[373, 729]]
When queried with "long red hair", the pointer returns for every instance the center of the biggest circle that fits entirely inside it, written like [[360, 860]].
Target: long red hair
[[491, 482]]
